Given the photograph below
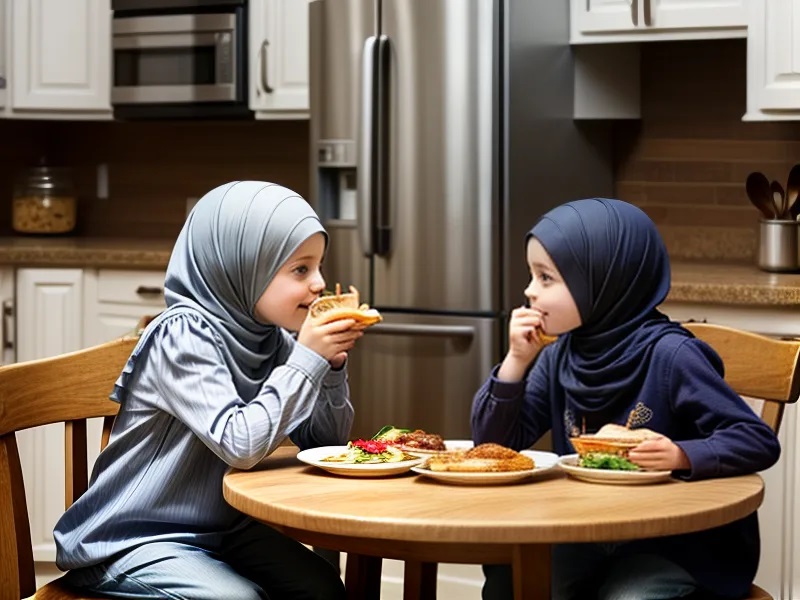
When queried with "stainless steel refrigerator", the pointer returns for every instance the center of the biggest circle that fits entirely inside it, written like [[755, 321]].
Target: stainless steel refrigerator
[[440, 130]]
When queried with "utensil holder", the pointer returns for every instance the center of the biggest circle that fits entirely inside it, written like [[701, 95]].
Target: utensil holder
[[778, 245]]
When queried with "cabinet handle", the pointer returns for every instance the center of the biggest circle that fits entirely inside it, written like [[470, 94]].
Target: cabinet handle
[[144, 290], [8, 324], [263, 58], [648, 19], [635, 12]]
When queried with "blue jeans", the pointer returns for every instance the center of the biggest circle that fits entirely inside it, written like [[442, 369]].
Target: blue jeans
[[255, 563], [593, 572]]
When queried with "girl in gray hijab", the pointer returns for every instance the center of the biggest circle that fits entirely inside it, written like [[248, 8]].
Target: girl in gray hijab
[[216, 381]]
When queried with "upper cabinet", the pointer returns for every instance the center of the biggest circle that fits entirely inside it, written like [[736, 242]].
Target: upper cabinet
[[278, 60], [773, 61], [595, 21], [59, 59]]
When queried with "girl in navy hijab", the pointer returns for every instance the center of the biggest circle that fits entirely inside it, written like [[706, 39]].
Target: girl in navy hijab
[[599, 270]]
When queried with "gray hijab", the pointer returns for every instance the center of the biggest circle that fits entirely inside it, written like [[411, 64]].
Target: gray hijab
[[232, 244]]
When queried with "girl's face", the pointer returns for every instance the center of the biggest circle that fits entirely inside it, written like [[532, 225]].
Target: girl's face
[[297, 284], [548, 293]]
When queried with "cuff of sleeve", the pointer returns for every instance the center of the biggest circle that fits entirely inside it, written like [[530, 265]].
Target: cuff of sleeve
[[336, 377], [309, 362], [702, 459], [505, 390]]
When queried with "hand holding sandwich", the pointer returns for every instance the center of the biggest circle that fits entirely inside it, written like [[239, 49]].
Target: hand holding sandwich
[[330, 340], [659, 454]]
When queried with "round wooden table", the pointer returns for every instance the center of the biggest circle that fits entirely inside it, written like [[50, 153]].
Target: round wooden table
[[421, 521]]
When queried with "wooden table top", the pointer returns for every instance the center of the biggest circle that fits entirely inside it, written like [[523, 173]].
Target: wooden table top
[[552, 508]]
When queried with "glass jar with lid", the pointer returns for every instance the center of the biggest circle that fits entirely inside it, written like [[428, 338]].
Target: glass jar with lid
[[44, 201]]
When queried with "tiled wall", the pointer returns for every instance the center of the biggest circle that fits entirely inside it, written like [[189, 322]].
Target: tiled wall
[[152, 166], [686, 161]]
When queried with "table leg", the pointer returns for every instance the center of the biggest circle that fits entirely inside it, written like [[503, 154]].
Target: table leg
[[362, 577], [531, 571], [419, 580]]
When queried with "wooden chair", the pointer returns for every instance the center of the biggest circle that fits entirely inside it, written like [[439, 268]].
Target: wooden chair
[[69, 388], [763, 370]]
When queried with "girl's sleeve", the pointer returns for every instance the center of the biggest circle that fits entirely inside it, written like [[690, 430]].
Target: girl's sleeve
[[514, 414], [196, 387], [729, 438]]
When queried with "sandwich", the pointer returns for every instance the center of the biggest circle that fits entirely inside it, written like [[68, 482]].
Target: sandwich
[[335, 307], [483, 458], [609, 447], [410, 441]]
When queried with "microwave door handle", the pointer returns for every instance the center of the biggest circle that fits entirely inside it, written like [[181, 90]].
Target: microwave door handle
[[365, 206]]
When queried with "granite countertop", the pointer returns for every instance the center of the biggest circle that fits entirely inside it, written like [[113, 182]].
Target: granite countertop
[[710, 282]]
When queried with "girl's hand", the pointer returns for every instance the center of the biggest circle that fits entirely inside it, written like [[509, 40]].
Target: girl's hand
[[524, 343], [331, 340], [660, 454]]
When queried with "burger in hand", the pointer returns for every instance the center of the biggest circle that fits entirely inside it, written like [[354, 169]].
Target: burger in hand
[[335, 307]]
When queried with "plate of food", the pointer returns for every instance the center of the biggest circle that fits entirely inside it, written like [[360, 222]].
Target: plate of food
[[418, 441], [360, 458], [602, 457], [486, 464]]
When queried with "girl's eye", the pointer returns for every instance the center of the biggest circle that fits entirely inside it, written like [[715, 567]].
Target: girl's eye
[[301, 270], [545, 278]]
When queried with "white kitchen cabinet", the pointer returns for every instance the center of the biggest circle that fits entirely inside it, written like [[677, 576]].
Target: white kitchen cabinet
[[779, 514], [115, 300], [49, 303], [59, 62], [593, 21], [278, 45], [773, 61]]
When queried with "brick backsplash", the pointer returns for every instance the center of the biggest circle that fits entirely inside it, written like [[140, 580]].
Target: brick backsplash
[[152, 166], [685, 162]]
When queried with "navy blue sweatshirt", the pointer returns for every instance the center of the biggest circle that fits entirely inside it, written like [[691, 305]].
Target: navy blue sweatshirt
[[682, 396]]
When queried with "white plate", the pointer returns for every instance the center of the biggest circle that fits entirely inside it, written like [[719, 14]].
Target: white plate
[[570, 464], [543, 461], [314, 456], [449, 444]]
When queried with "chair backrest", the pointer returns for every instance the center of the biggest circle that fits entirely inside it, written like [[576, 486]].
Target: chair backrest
[[69, 388], [756, 367]]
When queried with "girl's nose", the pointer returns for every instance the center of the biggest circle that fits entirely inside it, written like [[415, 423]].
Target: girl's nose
[[318, 284]]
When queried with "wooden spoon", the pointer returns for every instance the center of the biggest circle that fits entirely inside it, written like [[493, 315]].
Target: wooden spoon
[[792, 191], [779, 198], [760, 194]]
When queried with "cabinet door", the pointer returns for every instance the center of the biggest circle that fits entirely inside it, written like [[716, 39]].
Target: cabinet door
[[61, 55], [694, 14], [604, 15], [48, 323], [773, 60], [644, 20], [116, 300], [278, 44]]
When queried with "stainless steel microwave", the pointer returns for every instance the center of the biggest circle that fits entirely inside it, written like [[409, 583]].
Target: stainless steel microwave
[[179, 59]]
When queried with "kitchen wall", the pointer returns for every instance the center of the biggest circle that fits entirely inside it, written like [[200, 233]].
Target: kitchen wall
[[152, 166], [685, 162]]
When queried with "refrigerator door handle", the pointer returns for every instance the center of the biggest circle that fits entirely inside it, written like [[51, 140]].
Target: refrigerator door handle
[[383, 228], [367, 146], [427, 330]]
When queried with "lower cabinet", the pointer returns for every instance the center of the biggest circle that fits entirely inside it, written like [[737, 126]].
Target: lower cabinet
[[779, 515], [57, 311]]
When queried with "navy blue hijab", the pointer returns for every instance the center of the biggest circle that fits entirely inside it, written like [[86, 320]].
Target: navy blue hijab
[[616, 267]]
